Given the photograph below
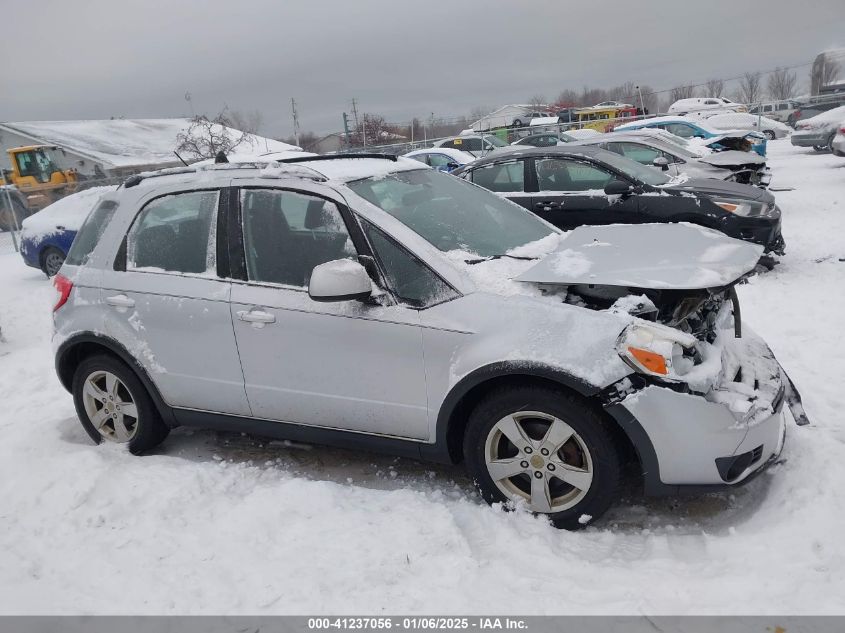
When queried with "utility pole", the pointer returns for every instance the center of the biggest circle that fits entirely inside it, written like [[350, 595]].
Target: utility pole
[[432, 126], [346, 127], [355, 115], [295, 120]]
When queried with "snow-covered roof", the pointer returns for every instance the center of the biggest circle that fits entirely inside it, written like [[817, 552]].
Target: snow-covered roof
[[125, 142]]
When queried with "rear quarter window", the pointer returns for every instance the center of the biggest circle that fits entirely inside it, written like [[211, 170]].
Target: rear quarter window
[[90, 232]]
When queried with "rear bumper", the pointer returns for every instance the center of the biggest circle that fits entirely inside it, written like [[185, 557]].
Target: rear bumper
[[690, 442]]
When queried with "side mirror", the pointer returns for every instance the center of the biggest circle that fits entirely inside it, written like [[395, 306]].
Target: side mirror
[[662, 162], [451, 166], [618, 188], [339, 280]]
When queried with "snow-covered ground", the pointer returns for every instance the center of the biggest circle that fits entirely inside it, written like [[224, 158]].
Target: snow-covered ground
[[218, 523]]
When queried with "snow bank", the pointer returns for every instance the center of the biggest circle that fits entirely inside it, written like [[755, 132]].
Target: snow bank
[[219, 523]]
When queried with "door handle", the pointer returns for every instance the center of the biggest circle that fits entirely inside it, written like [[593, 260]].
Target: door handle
[[258, 318], [121, 302], [546, 206]]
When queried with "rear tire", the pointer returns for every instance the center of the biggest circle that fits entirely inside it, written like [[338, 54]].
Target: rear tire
[[545, 448], [112, 404], [51, 260]]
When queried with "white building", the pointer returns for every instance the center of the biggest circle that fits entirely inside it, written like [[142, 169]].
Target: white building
[[115, 147]]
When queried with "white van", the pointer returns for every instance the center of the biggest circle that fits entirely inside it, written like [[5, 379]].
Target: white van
[[777, 110], [697, 104]]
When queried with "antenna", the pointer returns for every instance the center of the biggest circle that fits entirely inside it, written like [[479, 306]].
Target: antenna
[[355, 115]]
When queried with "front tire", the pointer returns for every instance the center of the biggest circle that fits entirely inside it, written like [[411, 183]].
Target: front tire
[[113, 405], [769, 134], [544, 448]]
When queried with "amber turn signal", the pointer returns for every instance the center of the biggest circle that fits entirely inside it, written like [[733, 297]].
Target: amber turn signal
[[653, 362]]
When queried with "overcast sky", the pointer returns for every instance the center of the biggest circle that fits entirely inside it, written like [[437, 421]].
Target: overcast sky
[[399, 58]]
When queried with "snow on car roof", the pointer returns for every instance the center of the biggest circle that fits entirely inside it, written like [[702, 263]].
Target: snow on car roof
[[69, 212], [831, 116], [349, 169]]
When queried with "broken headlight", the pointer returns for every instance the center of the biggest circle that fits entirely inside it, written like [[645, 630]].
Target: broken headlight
[[657, 350]]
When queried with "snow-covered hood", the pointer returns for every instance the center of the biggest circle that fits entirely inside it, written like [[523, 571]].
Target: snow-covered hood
[[651, 256], [733, 157]]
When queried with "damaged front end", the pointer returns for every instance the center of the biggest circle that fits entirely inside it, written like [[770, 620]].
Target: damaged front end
[[704, 405]]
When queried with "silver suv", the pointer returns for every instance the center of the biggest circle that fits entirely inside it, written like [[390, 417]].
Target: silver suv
[[376, 304]]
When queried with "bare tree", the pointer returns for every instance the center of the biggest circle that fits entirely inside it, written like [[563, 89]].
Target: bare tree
[[567, 98], [591, 96], [650, 99], [206, 137], [681, 92], [714, 88], [249, 122], [537, 101], [824, 71], [749, 87], [782, 83], [374, 130]]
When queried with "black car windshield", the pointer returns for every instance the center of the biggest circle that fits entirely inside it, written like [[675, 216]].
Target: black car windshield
[[633, 169], [452, 214]]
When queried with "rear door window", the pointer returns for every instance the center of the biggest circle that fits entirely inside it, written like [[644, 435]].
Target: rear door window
[[501, 177], [556, 174], [175, 233]]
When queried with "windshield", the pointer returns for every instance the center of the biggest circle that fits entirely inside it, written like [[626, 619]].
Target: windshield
[[495, 141], [633, 169], [451, 213]]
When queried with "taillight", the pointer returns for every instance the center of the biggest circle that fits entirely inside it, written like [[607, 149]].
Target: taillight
[[842, 130], [63, 286]]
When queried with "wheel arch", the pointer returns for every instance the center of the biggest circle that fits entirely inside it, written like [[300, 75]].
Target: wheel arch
[[472, 388], [74, 350]]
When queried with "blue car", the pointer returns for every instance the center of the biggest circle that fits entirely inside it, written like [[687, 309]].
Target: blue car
[[47, 235], [688, 128]]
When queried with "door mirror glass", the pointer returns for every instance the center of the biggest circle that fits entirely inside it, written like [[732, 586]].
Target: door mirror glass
[[618, 188], [339, 280], [661, 162]]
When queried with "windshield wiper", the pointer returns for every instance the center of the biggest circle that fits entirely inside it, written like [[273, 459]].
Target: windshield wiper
[[492, 257]]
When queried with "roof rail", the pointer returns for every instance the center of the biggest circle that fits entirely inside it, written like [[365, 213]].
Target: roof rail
[[305, 172], [308, 159]]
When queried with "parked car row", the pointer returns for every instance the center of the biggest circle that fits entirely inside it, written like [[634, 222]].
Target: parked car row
[[375, 303], [820, 131]]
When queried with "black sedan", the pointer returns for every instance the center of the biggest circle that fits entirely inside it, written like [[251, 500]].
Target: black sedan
[[570, 187]]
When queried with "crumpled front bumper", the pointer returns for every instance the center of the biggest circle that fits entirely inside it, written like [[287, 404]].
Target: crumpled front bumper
[[715, 439]]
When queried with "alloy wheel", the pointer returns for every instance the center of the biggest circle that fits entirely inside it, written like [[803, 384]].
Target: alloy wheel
[[539, 459], [53, 261], [110, 406]]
